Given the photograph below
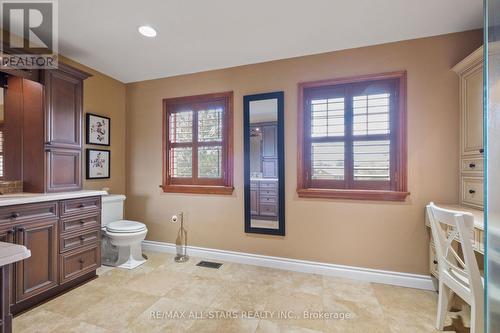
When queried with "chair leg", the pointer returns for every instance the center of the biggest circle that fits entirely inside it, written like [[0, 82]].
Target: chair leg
[[445, 295], [476, 319]]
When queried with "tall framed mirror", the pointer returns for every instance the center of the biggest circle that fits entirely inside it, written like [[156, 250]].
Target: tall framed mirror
[[264, 152]]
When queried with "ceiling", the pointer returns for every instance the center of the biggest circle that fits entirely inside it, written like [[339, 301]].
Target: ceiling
[[200, 35]]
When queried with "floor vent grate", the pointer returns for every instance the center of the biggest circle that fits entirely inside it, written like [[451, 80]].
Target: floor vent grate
[[209, 264]]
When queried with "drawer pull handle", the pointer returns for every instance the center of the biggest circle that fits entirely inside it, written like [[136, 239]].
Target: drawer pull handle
[[81, 260], [82, 238], [481, 150], [472, 191], [82, 221], [14, 215], [435, 262], [472, 165], [82, 205]]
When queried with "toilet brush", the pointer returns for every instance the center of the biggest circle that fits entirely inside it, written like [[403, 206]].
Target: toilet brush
[[181, 239]]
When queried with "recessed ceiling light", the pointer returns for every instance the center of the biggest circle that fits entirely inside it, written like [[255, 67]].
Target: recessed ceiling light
[[147, 31]]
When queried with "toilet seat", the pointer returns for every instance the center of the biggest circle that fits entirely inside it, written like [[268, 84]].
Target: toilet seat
[[125, 226]]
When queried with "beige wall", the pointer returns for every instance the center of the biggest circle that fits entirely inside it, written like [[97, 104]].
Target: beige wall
[[381, 235], [105, 96]]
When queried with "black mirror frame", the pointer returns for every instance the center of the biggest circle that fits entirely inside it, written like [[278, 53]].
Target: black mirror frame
[[280, 96]]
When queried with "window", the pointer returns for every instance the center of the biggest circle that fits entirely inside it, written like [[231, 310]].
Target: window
[[197, 147], [352, 138]]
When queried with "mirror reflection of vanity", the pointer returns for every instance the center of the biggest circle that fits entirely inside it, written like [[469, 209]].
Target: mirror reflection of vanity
[[264, 169]]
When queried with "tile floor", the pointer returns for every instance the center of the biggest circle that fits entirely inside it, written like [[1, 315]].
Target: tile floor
[[236, 298]]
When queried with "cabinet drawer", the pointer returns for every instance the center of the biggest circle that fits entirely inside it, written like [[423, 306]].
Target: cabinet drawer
[[269, 191], [268, 210], [28, 212], [80, 206], [80, 223], [472, 191], [268, 185], [78, 262], [268, 199], [473, 165], [73, 241]]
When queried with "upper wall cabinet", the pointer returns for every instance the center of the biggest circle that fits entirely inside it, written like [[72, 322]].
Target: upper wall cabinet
[[470, 71], [49, 123], [63, 105]]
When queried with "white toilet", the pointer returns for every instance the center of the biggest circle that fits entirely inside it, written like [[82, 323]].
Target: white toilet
[[126, 236]]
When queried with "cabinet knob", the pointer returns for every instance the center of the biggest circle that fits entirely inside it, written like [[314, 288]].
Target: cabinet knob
[[81, 260], [472, 191], [435, 262], [472, 165], [481, 150], [82, 205], [14, 215], [82, 238], [82, 221]]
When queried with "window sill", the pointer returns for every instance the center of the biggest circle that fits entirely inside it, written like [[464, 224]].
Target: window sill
[[352, 194], [198, 189]]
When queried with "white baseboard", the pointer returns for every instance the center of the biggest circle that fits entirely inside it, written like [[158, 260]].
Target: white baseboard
[[358, 273]]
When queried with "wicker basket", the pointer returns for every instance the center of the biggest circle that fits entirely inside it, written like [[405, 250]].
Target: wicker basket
[[11, 186]]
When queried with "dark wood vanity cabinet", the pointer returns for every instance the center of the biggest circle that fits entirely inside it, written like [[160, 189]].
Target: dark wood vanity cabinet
[[270, 151], [269, 141], [50, 130], [38, 273], [264, 199], [63, 107], [64, 240]]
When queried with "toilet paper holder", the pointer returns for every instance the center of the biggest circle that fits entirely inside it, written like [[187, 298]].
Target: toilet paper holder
[[182, 244]]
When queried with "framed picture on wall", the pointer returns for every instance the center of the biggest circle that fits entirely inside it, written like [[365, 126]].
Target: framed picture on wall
[[98, 164], [98, 130]]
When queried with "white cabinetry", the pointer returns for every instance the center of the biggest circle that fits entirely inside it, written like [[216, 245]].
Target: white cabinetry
[[470, 71]]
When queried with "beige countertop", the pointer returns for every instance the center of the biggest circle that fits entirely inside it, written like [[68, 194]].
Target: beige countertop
[[10, 253], [24, 198]]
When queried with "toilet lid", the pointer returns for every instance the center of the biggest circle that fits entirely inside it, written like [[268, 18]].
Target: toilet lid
[[125, 226]]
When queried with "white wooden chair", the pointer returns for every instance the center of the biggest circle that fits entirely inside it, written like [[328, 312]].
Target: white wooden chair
[[457, 276]]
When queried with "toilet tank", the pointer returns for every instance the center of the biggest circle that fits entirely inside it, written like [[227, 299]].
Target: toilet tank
[[112, 208]]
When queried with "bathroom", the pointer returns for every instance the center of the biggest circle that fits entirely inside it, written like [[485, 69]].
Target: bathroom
[[284, 174]]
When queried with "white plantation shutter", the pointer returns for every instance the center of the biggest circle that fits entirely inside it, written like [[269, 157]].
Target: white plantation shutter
[[196, 141], [349, 139]]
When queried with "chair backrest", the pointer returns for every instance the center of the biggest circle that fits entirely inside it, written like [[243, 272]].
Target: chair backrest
[[448, 225]]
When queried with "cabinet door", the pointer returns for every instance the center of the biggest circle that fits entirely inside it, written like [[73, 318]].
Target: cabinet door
[[472, 111], [7, 236], [254, 201], [63, 95], [63, 170], [269, 141], [38, 273], [270, 168]]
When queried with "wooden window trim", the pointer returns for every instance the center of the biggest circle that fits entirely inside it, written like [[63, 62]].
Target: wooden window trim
[[400, 159], [226, 188]]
